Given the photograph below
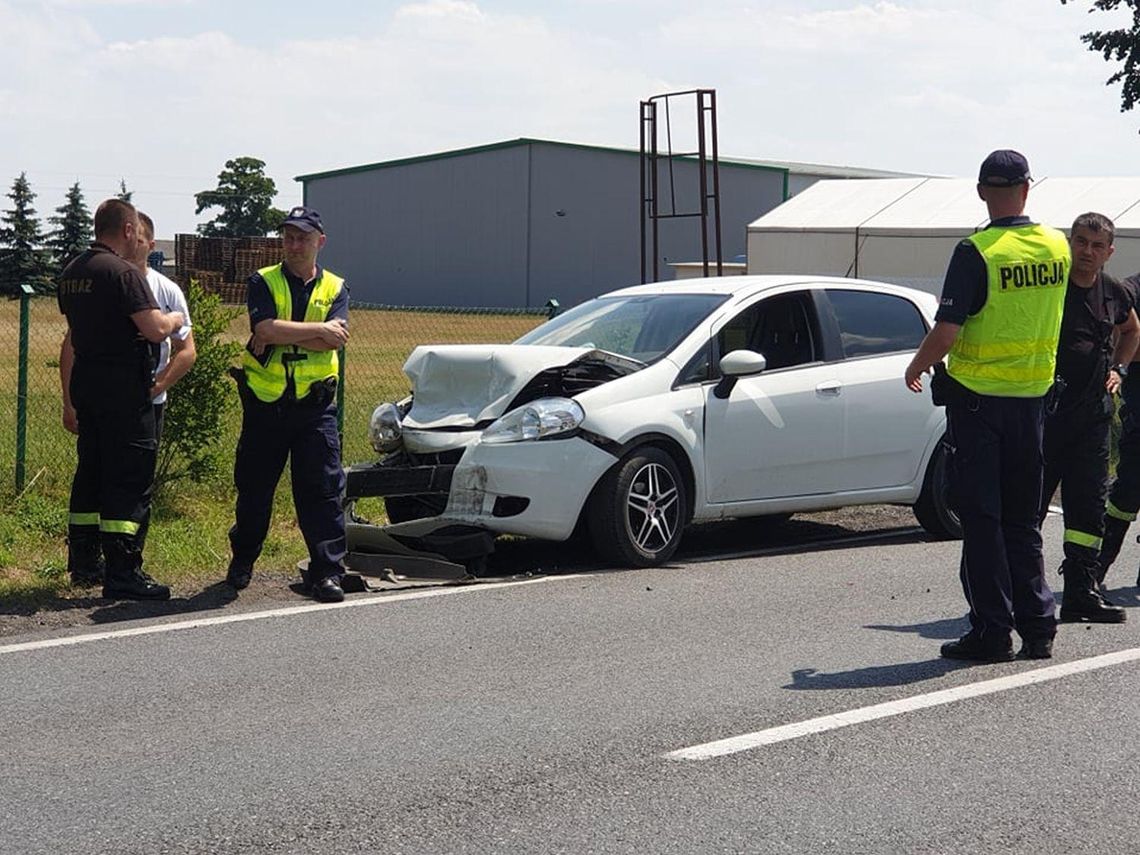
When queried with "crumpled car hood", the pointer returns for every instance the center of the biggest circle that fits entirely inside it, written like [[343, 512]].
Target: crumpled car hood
[[457, 387], [460, 385]]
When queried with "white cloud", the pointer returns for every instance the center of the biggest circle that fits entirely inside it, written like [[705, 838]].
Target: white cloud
[[441, 9], [789, 29], [89, 4]]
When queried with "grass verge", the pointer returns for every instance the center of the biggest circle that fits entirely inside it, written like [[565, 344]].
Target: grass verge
[[188, 544]]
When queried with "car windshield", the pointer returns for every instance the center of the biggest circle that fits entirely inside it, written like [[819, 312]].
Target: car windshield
[[644, 327]]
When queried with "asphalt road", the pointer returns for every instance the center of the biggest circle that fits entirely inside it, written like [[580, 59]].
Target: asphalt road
[[538, 718]]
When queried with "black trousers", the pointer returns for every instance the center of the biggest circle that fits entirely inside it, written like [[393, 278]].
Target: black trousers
[[996, 472], [305, 432], [1076, 457], [159, 421], [1124, 498], [111, 489]]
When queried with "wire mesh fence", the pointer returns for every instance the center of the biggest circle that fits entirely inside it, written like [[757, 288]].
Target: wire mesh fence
[[382, 337]]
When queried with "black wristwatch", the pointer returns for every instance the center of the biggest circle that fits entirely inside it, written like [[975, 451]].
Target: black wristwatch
[[1121, 369]]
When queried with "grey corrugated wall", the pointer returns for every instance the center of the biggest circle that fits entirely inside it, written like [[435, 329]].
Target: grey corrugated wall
[[483, 229]]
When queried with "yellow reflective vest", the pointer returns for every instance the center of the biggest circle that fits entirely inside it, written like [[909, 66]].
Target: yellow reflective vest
[[306, 367], [1009, 348]]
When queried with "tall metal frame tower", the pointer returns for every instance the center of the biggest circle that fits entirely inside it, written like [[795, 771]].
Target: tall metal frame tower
[[655, 162]]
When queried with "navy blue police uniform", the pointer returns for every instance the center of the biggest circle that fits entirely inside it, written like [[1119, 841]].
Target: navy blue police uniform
[[995, 469], [110, 388], [304, 430]]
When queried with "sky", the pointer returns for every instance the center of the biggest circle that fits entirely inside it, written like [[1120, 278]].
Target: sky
[[160, 93]]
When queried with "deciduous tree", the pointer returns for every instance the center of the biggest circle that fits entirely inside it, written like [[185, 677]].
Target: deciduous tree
[[1121, 45], [245, 195]]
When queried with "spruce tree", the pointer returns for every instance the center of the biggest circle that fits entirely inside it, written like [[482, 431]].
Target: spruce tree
[[124, 193], [73, 224], [22, 260]]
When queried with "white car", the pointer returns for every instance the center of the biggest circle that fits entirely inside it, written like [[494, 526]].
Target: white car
[[647, 409]]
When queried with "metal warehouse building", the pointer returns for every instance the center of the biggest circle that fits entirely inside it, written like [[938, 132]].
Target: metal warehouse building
[[517, 223]]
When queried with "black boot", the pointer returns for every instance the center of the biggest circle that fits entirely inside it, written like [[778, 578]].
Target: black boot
[[125, 577], [84, 557], [1114, 531], [1082, 600]]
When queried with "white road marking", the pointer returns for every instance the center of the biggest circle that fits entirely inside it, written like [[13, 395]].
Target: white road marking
[[773, 735], [850, 540], [197, 623]]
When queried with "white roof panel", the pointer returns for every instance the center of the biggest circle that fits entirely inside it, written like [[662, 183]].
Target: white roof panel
[[1128, 222], [836, 204], [1059, 201], [938, 206], [946, 205]]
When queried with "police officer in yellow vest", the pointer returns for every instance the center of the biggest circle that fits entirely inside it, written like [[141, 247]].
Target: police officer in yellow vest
[[298, 315], [999, 321]]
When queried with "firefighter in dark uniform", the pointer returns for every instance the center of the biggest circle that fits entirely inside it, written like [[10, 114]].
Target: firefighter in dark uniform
[[113, 329], [1124, 498], [298, 315], [1077, 433], [999, 321]]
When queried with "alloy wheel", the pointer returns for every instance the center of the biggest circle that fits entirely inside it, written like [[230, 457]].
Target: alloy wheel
[[652, 508]]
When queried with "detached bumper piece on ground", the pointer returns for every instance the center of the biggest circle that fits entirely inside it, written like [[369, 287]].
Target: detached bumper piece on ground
[[429, 548]]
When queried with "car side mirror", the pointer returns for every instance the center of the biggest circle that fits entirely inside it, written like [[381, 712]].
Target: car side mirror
[[737, 364]]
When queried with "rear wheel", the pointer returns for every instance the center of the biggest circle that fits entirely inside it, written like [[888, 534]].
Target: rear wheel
[[638, 509], [933, 510]]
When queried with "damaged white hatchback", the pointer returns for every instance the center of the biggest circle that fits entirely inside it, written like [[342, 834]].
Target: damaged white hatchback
[[637, 413]]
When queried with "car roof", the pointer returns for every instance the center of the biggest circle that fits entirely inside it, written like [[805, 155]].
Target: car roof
[[744, 286]]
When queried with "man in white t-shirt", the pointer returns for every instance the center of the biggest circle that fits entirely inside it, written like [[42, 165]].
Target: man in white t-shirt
[[178, 352]]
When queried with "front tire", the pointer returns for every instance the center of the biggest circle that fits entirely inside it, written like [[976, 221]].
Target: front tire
[[638, 509], [933, 510]]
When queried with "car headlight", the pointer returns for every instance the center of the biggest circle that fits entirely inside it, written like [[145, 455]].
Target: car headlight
[[539, 419], [385, 428]]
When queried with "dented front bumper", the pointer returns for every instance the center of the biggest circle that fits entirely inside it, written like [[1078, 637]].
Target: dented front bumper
[[535, 489]]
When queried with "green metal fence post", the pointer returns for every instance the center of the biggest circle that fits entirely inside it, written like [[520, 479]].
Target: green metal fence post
[[26, 292]]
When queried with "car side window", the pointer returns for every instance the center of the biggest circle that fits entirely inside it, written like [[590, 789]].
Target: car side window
[[871, 324], [781, 328]]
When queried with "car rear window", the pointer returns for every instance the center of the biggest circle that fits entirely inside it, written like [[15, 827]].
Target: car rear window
[[872, 324]]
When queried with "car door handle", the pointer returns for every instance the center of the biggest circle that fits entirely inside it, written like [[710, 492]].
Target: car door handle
[[831, 387]]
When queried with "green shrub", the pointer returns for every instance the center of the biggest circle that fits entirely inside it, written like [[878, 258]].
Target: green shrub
[[197, 405]]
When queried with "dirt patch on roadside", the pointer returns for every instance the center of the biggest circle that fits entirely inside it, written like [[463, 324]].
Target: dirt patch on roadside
[[85, 607], [513, 557]]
